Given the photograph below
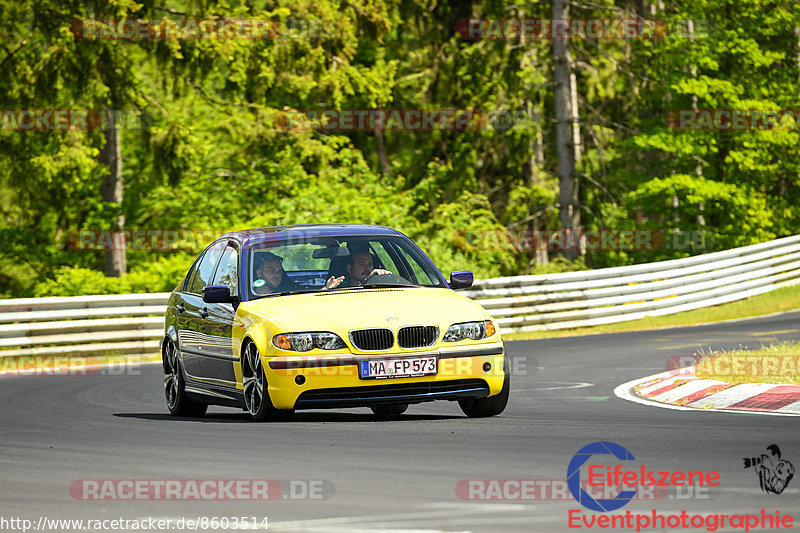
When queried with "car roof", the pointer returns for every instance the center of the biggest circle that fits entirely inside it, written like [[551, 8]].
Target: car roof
[[275, 233]]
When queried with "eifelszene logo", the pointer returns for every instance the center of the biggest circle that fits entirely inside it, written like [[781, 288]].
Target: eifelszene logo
[[608, 476], [774, 473], [607, 465], [574, 477]]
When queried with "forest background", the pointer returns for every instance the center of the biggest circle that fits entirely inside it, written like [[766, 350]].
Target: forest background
[[191, 133]]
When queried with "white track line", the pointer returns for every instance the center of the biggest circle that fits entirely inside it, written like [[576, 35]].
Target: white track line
[[442, 516]]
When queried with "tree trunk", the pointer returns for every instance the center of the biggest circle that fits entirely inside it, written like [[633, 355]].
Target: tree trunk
[[569, 208], [111, 191], [386, 168], [797, 45], [576, 125], [693, 71], [535, 143]]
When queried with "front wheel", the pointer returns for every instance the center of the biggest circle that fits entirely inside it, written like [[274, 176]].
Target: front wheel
[[254, 382], [491, 406], [178, 402]]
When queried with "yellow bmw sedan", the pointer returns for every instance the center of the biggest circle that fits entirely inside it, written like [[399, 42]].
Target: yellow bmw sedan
[[273, 320]]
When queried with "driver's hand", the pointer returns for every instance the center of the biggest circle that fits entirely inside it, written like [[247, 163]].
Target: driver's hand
[[334, 282], [378, 271]]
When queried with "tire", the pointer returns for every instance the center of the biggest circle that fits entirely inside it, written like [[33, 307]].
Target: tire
[[178, 402], [392, 409], [256, 393], [491, 406]]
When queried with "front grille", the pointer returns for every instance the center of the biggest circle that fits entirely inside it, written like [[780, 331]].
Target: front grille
[[372, 339], [458, 389], [417, 336]]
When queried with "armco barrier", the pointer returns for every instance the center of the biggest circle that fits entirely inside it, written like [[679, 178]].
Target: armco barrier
[[604, 296], [132, 324], [85, 326]]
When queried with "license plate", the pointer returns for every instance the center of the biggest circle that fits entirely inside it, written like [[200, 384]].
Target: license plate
[[406, 367]]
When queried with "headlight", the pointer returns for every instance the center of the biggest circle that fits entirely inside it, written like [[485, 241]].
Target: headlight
[[469, 330], [303, 342]]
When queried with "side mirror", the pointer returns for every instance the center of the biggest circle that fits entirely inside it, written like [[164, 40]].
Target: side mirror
[[461, 279], [218, 294]]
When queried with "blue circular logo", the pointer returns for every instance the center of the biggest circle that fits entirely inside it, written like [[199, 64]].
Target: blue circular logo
[[574, 476]]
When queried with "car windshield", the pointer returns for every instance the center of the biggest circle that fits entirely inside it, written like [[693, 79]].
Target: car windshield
[[304, 265]]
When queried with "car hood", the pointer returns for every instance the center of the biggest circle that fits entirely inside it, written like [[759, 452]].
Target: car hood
[[344, 310]]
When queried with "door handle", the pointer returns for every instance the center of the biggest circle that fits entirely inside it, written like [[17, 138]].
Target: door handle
[[180, 308], [204, 313]]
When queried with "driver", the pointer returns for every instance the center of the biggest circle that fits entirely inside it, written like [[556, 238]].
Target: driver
[[359, 269]]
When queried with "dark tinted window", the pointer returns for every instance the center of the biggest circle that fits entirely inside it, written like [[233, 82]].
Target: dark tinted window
[[226, 271], [205, 269], [187, 282]]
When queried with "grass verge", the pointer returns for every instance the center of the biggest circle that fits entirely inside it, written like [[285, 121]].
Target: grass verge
[[783, 299]]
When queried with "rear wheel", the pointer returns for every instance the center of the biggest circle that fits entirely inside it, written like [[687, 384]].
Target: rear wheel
[[389, 409], [491, 406], [254, 382], [178, 402]]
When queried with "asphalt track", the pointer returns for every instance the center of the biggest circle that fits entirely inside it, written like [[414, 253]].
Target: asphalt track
[[397, 475]]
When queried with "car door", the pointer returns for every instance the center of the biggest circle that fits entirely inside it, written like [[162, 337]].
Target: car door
[[190, 334], [179, 316], [217, 326]]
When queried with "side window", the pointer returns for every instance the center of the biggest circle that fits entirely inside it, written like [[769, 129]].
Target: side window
[[205, 269], [226, 271], [187, 281]]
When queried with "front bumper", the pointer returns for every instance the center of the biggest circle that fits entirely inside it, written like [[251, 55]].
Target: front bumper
[[333, 381]]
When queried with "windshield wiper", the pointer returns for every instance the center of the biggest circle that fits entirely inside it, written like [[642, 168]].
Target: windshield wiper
[[373, 285], [284, 293]]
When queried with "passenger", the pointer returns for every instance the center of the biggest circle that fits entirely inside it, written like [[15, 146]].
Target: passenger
[[271, 277], [359, 269]]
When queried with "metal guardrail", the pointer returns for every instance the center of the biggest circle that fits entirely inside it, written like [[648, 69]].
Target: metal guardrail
[[604, 296], [85, 326], [128, 324]]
